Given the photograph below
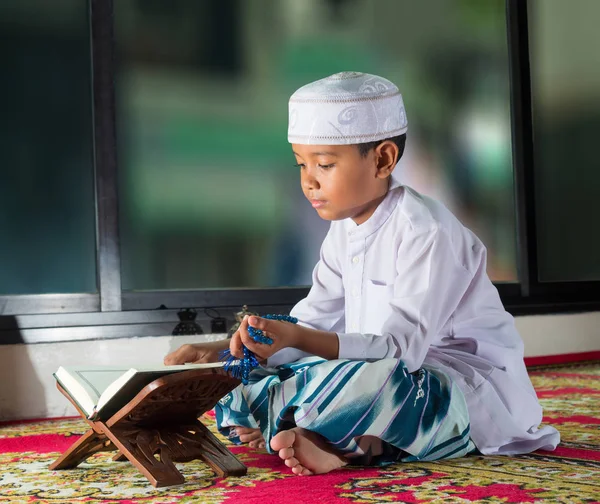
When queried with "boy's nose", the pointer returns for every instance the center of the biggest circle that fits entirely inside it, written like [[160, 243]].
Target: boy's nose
[[309, 181]]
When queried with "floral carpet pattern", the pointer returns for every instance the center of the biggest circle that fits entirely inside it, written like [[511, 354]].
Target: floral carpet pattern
[[570, 395]]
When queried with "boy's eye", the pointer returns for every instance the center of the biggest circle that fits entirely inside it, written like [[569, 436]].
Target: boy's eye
[[325, 167]]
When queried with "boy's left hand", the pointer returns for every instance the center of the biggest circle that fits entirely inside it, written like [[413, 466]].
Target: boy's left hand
[[283, 334]]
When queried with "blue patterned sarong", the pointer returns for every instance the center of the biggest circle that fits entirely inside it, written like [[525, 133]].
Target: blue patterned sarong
[[353, 405]]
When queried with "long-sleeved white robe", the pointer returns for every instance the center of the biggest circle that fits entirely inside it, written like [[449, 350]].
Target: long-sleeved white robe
[[411, 283]]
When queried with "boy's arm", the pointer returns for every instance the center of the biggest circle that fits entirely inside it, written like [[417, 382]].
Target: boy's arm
[[429, 285], [323, 308]]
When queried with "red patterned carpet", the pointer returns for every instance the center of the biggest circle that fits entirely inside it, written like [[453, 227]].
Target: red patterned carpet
[[571, 474]]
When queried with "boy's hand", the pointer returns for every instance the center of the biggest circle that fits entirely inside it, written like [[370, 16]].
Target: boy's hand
[[199, 353], [283, 334]]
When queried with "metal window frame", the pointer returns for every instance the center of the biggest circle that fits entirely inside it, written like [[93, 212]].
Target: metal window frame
[[108, 254], [113, 313]]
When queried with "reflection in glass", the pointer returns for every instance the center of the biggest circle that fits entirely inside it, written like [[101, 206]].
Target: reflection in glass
[[47, 225], [209, 194], [565, 73]]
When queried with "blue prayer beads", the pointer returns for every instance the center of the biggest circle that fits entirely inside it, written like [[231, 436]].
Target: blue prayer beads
[[241, 368]]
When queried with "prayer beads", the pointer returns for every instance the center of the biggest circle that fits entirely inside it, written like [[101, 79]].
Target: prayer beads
[[241, 368]]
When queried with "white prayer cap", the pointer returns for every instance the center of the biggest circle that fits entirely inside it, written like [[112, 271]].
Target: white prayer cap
[[346, 108]]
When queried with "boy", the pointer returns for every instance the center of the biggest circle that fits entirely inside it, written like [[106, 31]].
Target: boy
[[403, 350]]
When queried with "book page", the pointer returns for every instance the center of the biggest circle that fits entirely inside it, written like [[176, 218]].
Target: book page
[[86, 384], [98, 380], [94, 387], [127, 386], [179, 367]]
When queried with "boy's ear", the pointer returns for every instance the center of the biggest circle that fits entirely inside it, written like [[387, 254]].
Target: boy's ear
[[387, 156]]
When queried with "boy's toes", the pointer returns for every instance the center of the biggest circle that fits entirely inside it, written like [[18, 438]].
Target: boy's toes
[[299, 470], [291, 462], [286, 453], [283, 439], [247, 438], [244, 430], [248, 435]]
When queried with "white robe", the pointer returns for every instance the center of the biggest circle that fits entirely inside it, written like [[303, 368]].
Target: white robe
[[411, 283]]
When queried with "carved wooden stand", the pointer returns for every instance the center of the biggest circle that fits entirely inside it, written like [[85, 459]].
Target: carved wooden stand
[[160, 426]]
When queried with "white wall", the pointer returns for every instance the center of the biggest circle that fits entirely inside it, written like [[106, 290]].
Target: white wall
[[28, 390]]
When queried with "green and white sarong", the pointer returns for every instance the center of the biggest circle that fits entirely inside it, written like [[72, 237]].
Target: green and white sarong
[[371, 412]]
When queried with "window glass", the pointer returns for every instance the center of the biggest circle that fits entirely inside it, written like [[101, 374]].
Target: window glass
[[47, 224], [565, 75], [209, 196]]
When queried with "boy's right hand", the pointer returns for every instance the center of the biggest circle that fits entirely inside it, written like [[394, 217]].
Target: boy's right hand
[[199, 353]]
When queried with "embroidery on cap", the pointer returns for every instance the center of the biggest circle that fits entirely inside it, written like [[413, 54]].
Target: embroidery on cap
[[374, 86], [345, 98], [348, 115], [345, 75], [293, 118], [366, 138]]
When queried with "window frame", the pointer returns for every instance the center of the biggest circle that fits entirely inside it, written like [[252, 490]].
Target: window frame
[[113, 313]]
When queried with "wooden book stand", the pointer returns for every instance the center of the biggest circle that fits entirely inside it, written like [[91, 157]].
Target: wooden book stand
[[160, 426]]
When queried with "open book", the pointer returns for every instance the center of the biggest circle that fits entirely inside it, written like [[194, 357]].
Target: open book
[[100, 391]]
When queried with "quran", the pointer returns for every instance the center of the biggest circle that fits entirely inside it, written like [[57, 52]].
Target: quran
[[149, 416], [101, 391]]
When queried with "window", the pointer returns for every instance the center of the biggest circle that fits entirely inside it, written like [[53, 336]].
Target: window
[[209, 197], [46, 179], [145, 163], [566, 105]]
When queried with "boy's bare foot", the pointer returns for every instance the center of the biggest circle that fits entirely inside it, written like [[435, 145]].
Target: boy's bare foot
[[305, 452], [251, 436]]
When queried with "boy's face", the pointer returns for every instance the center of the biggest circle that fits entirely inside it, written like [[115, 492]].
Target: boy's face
[[339, 182]]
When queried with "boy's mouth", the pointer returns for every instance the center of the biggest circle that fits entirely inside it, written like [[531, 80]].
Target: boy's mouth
[[317, 203]]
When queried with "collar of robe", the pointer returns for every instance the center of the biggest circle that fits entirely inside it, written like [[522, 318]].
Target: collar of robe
[[380, 215]]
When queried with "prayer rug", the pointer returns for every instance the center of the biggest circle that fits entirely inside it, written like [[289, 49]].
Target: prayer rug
[[570, 395]]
